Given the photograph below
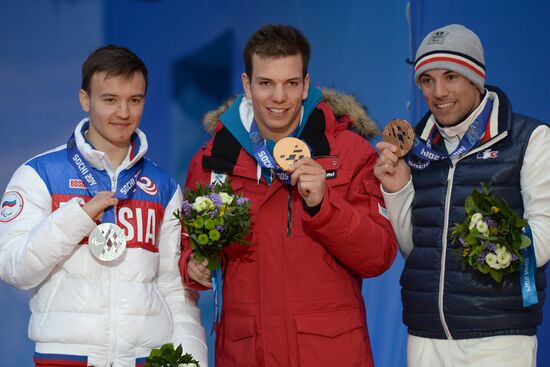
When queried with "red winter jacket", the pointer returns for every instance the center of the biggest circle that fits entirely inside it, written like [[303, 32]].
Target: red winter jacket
[[294, 297]]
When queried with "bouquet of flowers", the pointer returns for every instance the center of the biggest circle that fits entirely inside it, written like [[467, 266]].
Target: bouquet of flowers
[[490, 238], [214, 217], [167, 356]]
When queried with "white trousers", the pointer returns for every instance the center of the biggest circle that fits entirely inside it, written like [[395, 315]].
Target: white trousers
[[495, 351]]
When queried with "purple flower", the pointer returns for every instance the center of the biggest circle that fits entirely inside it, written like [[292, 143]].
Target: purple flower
[[462, 242], [481, 258], [514, 256], [216, 200], [241, 201], [220, 228], [186, 208], [214, 213], [490, 223], [492, 247]]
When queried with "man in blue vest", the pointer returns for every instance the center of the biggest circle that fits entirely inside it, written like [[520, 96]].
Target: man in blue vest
[[457, 316]]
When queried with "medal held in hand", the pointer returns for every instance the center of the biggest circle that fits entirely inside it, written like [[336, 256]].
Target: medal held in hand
[[288, 150], [107, 242], [401, 134]]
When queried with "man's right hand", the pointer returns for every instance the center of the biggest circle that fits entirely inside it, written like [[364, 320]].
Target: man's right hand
[[391, 170], [97, 205], [198, 272]]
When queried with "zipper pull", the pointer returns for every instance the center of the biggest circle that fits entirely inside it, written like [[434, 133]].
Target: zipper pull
[[450, 174]]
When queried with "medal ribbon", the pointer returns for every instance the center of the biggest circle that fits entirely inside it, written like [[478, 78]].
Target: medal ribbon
[[425, 154], [217, 285], [527, 272], [93, 182]]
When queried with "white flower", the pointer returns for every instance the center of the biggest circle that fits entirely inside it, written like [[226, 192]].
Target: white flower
[[503, 256], [191, 365], [226, 198], [202, 203], [475, 218], [183, 365], [492, 261], [482, 227]]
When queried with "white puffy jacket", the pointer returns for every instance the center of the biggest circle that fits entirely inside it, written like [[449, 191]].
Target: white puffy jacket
[[92, 313]]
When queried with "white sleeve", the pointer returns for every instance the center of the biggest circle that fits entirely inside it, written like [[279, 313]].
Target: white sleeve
[[535, 191], [398, 205], [182, 301], [35, 240]]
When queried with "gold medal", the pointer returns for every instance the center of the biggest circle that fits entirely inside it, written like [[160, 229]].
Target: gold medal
[[399, 133], [288, 150]]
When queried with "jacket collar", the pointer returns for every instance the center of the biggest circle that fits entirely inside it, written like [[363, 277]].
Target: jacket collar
[[99, 159], [231, 118]]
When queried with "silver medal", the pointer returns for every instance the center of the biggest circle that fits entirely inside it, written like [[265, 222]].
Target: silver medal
[[107, 242]]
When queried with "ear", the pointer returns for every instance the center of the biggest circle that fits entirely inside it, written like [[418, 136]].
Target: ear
[[84, 100], [305, 93], [246, 85]]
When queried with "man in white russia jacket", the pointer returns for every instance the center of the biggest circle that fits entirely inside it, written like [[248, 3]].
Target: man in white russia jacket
[[89, 309]]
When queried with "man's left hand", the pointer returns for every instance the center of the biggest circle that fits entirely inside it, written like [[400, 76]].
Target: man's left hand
[[309, 177]]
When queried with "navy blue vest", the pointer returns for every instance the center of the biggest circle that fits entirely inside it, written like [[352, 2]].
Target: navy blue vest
[[436, 288]]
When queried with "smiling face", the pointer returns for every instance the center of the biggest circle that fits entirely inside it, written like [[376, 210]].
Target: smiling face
[[277, 88], [115, 105], [450, 96]]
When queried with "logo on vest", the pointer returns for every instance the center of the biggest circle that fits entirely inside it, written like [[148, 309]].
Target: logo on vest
[[487, 154]]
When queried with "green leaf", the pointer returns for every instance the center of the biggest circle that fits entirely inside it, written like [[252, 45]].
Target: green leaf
[[496, 275], [469, 205], [525, 241]]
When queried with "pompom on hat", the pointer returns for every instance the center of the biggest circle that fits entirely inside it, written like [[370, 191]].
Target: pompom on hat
[[453, 47]]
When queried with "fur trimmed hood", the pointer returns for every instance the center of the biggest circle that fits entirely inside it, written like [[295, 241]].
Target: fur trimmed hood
[[342, 104]]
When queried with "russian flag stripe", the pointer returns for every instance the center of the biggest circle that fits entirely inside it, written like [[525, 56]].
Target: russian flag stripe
[[9, 203], [60, 360]]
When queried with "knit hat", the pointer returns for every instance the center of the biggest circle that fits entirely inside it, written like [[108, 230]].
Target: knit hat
[[453, 47]]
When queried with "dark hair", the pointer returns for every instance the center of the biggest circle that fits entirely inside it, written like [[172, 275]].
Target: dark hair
[[276, 40], [115, 61]]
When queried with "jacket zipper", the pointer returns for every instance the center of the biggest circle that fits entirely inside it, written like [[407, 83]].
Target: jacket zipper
[[113, 343], [289, 212], [450, 177], [444, 252]]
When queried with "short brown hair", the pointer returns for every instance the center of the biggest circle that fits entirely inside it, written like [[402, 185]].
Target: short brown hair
[[276, 40], [114, 61]]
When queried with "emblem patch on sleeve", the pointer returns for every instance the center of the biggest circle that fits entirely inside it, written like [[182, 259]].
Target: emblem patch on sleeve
[[11, 206]]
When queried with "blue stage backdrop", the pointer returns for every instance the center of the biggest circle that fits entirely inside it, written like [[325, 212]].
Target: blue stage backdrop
[[193, 51]]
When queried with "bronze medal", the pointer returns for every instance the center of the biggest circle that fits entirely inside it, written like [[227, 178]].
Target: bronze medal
[[288, 150], [401, 134]]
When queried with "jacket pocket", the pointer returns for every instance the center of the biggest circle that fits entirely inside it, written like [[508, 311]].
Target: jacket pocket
[[335, 338], [238, 346]]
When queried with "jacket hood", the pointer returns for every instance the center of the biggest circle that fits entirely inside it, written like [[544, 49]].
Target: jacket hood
[[341, 104]]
